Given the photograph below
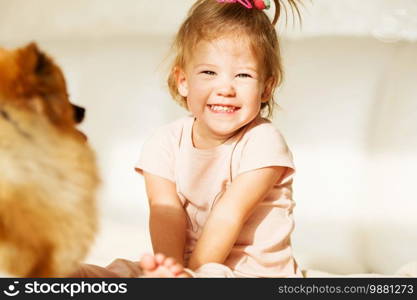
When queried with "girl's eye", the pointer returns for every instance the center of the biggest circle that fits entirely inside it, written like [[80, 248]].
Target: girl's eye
[[211, 73], [244, 75]]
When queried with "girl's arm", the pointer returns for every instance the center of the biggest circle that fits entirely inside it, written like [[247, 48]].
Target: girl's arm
[[167, 217], [230, 213]]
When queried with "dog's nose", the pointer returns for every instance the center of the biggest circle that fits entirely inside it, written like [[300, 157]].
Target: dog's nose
[[79, 113]]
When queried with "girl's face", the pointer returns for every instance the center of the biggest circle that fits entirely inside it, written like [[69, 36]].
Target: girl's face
[[224, 87]]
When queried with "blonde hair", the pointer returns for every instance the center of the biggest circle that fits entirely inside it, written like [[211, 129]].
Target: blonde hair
[[209, 20]]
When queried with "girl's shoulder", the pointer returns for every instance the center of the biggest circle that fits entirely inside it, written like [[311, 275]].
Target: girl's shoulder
[[172, 131], [263, 131], [262, 146]]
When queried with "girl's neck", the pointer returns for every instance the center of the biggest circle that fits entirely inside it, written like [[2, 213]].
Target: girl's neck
[[202, 138], [203, 141]]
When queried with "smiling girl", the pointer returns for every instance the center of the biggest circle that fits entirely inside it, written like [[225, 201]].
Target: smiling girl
[[219, 181]]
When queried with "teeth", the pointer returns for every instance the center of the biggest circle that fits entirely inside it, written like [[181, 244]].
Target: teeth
[[222, 108]]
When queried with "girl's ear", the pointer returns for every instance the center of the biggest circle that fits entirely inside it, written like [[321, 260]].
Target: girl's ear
[[268, 88], [182, 82]]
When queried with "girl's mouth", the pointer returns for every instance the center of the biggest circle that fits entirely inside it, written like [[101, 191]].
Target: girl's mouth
[[217, 108]]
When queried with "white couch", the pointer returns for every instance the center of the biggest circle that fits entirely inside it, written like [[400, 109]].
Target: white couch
[[348, 112]]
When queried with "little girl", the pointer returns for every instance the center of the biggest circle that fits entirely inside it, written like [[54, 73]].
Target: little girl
[[219, 182]]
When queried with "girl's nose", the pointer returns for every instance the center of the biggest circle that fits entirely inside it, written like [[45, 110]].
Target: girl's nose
[[226, 88]]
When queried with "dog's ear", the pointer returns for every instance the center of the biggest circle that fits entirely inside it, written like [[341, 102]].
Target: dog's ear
[[20, 71], [48, 76], [39, 67], [42, 64], [32, 61], [44, 85]]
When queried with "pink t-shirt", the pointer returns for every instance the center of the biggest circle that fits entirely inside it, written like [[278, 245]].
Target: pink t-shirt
[[263, 248]]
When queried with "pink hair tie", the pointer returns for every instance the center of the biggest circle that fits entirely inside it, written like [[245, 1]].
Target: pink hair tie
[[259, 4], [262, 4]]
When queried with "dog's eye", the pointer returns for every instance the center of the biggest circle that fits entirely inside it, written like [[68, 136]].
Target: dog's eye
[[79, 113]]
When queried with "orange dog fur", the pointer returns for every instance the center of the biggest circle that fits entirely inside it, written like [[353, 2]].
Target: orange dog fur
[[48, 174]]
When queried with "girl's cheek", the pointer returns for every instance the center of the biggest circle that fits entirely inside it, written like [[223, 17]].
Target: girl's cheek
[[198, 84]]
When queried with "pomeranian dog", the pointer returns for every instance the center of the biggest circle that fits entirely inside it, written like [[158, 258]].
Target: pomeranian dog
[[48, 174]]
